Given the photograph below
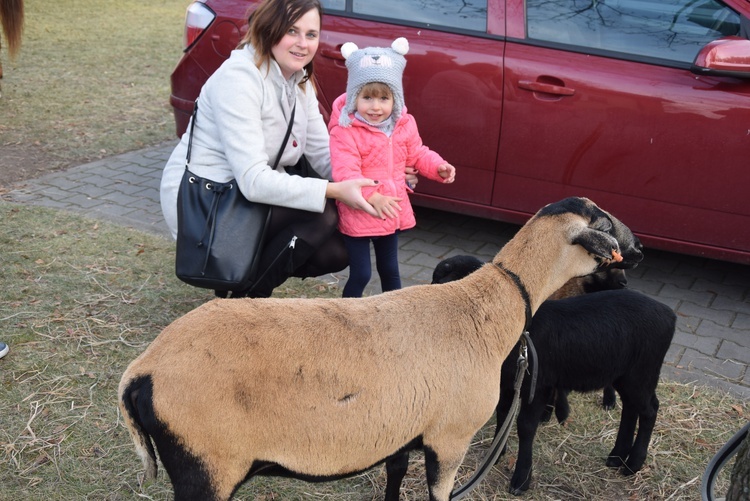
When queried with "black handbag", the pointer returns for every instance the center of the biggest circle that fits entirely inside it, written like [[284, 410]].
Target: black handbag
[[302, 168], [220, 233]]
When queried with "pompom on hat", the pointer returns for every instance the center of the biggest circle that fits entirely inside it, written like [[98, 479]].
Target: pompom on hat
[[374, 64]]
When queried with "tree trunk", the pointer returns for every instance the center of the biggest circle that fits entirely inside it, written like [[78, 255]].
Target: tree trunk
[[739, 484]]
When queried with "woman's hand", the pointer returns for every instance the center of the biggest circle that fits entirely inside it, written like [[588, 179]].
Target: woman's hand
[[385, 205], [411, 177], [349, 192]]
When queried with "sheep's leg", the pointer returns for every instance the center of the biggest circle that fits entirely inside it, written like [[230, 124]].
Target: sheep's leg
[[550, 407], [191, 481], [608, 398], [646, 422], [442, 465], [624, 441], [562, 408], [526, 425], [396, 467]]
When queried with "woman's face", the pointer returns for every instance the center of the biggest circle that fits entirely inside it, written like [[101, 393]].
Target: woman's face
[[298, 46]]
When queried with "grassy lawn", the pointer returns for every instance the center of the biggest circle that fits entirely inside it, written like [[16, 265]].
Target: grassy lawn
[[91, 79]]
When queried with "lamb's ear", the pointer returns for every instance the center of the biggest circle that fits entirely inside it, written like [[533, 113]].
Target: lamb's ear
[[597, 243]]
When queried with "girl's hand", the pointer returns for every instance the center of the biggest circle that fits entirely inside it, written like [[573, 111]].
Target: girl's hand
[[447, 172], [384, 205]]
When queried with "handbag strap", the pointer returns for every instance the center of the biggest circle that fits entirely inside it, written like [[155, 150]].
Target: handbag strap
[[278, 155]]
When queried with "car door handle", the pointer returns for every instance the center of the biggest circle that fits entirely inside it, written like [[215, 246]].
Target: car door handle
[[546, 88]]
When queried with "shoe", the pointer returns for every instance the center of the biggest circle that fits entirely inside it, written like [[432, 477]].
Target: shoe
[[4, 349]]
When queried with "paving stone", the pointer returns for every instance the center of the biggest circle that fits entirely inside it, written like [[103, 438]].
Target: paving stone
[[712, 366], [720, 317], [742, 322], [733, 351], [721, 290], [709, 329], [693, 297], [705, 345]]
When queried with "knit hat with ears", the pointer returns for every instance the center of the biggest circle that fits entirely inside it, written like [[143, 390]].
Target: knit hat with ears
[[374, 64]]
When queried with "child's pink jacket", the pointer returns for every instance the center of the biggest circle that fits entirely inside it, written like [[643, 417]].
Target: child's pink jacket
[[362, 151]]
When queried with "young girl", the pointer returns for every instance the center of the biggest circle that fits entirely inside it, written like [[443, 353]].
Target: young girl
[[373, 137]]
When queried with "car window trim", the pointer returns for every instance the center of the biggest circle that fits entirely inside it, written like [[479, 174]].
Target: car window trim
[[610, 54], [412, 24]]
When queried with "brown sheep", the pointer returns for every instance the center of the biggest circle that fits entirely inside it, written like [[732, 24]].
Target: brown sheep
[[320, 389]]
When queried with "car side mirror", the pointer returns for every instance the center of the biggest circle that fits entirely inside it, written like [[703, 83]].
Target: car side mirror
[[727, 56]]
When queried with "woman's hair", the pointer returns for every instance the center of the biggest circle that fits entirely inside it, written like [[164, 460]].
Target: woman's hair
[[376, 89], [270, 22]]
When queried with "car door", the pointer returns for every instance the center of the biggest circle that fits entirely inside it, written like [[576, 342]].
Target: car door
[[452, 80], [600, 102]]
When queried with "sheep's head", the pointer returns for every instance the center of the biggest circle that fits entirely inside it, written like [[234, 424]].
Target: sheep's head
[[604, 237], [610, 279], [455, 268]]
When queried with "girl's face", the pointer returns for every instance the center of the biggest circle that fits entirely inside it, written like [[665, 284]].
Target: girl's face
[[298, 46], [374, 109]]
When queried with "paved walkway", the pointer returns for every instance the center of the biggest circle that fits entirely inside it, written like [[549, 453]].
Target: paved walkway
[[712, 298]]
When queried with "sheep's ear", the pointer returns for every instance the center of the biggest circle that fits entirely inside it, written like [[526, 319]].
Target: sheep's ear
[[348, 48], [597, 243]]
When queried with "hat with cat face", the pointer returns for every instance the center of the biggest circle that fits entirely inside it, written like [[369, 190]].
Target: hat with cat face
[[374, 64]]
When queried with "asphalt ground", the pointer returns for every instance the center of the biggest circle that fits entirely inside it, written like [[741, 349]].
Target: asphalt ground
[[711, 298]]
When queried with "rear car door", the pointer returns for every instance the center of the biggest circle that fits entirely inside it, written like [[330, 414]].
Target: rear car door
[[452, 82], [600, 101]]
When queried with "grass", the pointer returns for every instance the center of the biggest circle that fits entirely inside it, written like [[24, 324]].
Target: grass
[[91, 78], [82, 298]]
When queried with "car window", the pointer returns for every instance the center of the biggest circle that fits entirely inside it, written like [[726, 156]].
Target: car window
[[462, 14], [674, 30]]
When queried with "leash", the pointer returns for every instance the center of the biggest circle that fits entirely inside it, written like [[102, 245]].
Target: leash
[[719, 460], [503, 432]]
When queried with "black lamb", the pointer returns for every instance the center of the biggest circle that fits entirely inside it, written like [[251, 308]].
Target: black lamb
[[585, 343], [459, 266]]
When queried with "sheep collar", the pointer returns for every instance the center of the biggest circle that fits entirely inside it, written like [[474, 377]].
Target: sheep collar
[[522, 289]]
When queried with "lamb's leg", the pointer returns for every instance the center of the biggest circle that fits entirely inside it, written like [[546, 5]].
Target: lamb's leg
[[608, 398], [526, 425], [396, 467], [624, 441], [549, 408], [562, 408], [646, 422], [502, 410]]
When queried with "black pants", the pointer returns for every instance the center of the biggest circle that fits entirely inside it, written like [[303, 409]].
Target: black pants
[[318, 230], [317, 249], [360, 269]]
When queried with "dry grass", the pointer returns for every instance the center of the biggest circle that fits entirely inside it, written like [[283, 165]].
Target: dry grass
[[81, 299]]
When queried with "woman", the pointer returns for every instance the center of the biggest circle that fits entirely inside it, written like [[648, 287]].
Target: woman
[[243, 112]]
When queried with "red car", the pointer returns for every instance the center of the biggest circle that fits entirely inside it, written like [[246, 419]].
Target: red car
[[641, 105]]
